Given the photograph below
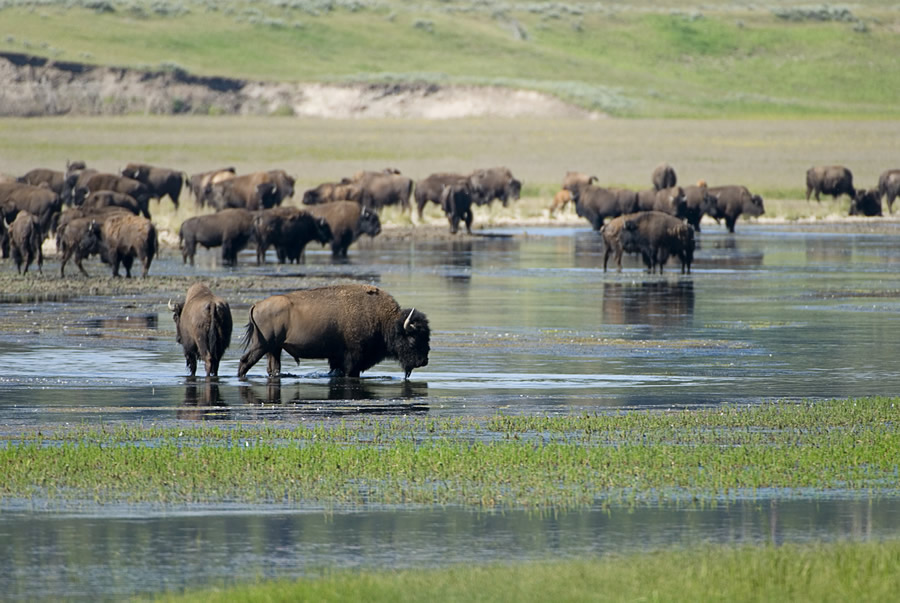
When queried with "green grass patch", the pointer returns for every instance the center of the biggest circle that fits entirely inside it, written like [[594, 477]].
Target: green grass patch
[[505, 461], [627, 60], [822, 572]]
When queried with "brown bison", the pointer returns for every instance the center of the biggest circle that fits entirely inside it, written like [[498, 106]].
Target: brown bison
[[655, 235], [834, 180], [348, 221], [203, 328], [380, 189], [288, 229], [696, 198], [456, 201], [663, 177], [54, 179], [560, 200], [354, 327], [669, 200], [866, 203], [199, 184], [120, 184], [575, 180], [327, 192], [595, 204], [729, 202], [39, 201], [494, 183], [251, 191], [889, 186], [101, 199], [25, 239], [81, 238], [126, 237], [160, 181], [232, 229], [430, 188]]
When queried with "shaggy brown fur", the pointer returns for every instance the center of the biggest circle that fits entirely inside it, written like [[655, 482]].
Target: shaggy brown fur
[[203, 327]]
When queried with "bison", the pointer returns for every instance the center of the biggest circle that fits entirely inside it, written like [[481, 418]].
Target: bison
[[560, 200], [251, 191], [456, 201], [231, 229], [348, 221], [380, 189], [430, 188], [655, 235], [669, 200], [160, 181], [889, 186], [663, 177], [54, 179], [595, 204], [327, 192], [576, 180], [834, 180], [203, 328], [39, 201], [729, 202], [25, 238], [866, 203], [354, 327], [494, 183], [288, 229], [696, 198], [120, 184], [101, 199], [199, 183], [77, 176], [126, 237], [80, 237]]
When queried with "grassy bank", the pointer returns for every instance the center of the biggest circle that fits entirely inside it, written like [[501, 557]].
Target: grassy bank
[[626, 59], [826, 572], [565, 462]]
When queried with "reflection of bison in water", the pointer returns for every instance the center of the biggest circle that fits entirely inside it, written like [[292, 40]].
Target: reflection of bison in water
[[354, 327], [655, 235], [834, 180], [661, 303], [202, 327]]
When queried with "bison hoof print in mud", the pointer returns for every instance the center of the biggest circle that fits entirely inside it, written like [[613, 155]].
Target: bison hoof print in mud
[[354, 327]]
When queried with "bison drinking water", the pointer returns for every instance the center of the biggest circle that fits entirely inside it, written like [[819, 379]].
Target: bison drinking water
[[354, 327], [202, 327]]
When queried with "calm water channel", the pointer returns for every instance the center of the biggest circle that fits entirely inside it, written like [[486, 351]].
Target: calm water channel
[[520, 324]]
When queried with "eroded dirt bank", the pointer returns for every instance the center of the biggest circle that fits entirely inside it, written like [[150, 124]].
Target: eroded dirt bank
[[36, 86]]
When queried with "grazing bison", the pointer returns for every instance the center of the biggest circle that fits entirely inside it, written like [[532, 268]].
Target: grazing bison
[[560, 200], [231, 229], [160, 181], [348, 221], [202, 327], [288, 229], [834, 180], [729, 202], [81, 238], [430, 188], [494, 183], [120, 184], [39, 201], [655, 235], [456, 201], [354, 327], [889, 186], [663, 177], [101, 199], [251, 191], [595, 204], [126, 237], [25, 238], [866, 203], [669, 200], [54, 179], [199, 183]]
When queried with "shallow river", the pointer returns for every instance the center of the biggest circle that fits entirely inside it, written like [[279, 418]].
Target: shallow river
[[520, 324]]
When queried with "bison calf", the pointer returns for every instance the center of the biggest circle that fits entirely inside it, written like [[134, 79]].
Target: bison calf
[[354, 327], [203, 328]]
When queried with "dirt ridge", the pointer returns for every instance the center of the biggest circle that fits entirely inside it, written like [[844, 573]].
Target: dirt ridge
[[37, 86]]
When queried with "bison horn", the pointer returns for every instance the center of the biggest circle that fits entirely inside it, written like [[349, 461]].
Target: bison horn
[[171, 306], [408, 318]]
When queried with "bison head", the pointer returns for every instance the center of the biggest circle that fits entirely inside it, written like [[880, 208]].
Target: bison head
[[176, 316], [514, 189], [369, 222], [866, 203], [322, 231], [755, 207], [409, 340]]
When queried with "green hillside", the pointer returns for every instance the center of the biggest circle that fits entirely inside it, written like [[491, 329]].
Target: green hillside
[[627, 59]]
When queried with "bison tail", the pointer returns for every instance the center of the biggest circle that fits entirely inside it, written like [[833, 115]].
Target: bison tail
[[252, 331]]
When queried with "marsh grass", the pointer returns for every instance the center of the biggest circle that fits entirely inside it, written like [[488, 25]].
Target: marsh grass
[[505, 461], [810, 572]]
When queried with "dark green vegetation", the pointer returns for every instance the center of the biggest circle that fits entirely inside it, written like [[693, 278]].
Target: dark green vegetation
[[627, 59], [506, 461], [829, 572]]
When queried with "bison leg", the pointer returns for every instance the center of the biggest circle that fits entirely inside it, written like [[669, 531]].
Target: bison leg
[[190, 360], [78, 261], [250, 358], [128, 262], [469, 221], [890, 201], [729, 223]]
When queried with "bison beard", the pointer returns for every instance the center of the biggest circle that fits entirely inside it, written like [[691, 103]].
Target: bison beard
[[354, 327]]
